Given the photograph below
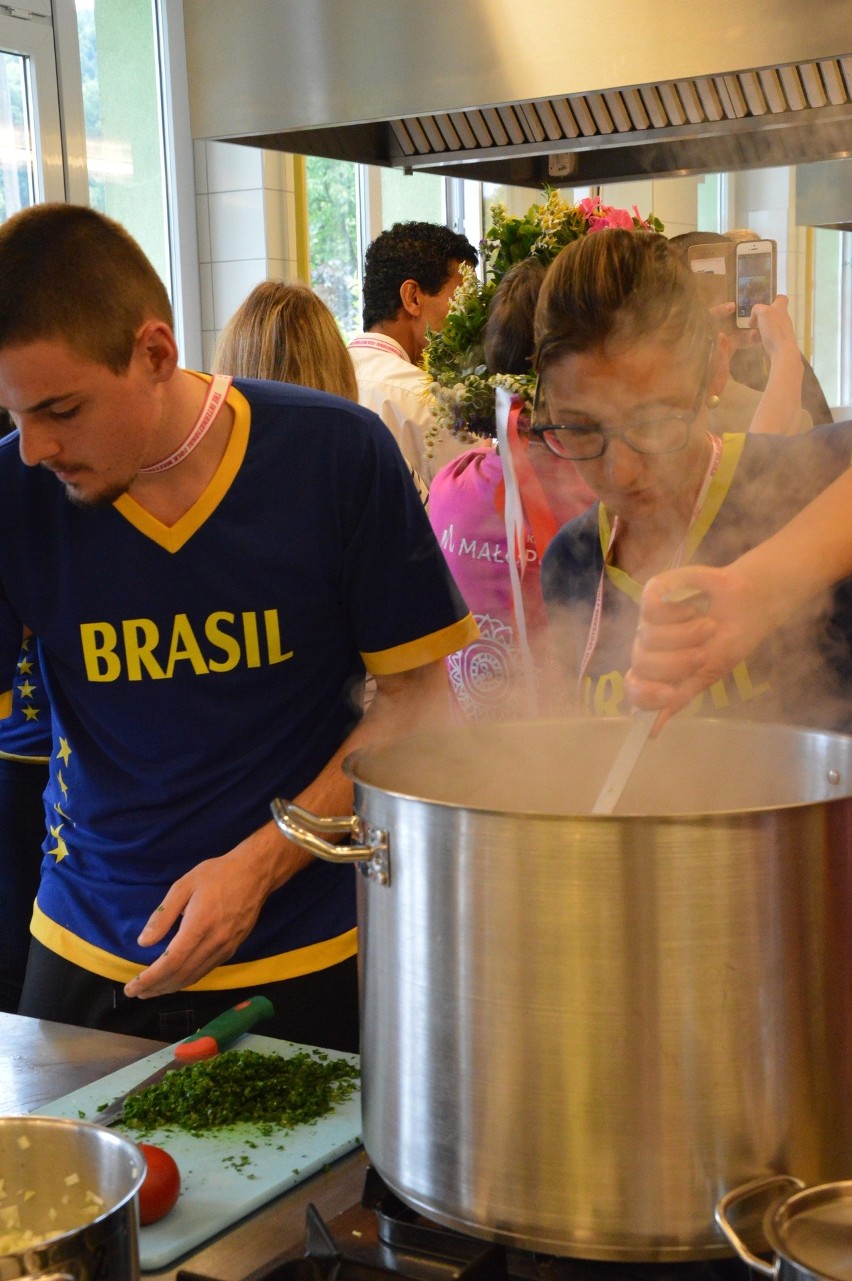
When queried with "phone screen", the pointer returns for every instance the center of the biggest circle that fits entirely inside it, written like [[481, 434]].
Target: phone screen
[[754, 281]]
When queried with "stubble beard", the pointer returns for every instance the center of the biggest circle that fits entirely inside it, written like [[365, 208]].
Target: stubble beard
[[105, 498]]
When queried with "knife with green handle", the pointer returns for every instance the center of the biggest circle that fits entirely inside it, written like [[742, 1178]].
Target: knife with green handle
[[209, 1041]]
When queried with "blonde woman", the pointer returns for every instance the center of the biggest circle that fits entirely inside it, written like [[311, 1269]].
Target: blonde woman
[[286, 333]]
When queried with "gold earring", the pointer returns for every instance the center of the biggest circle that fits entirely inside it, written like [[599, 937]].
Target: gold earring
[[712, 402]]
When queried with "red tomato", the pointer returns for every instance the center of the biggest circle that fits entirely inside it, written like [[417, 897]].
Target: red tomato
[[161, 1184]]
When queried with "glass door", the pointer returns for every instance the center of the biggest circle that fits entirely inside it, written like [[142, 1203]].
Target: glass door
[[31, 165]]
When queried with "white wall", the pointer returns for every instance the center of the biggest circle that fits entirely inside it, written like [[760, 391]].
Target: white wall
[[246, 216]]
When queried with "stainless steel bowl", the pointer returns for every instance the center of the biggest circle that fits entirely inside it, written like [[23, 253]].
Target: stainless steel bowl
[[74, 1186]]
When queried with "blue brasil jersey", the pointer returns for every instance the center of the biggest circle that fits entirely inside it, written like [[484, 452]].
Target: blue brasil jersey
[[802, 674], [197, 670], [25, 733]]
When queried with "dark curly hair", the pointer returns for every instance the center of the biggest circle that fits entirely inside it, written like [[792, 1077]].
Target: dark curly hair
[[421, 251]]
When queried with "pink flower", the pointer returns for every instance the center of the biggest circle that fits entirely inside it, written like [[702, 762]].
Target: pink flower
[[599, 216]]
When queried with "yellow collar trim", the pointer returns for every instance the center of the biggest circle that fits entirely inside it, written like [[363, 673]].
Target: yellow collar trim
[[732, 448], [173, 537]]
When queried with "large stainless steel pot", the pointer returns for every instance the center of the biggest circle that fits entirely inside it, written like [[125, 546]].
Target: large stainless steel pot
[[578, 1032], [74, 1186]]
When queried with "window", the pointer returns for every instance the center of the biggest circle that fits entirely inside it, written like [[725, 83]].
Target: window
[[333, 238], [348, 206], [119, 58], [18, 168], [30, 148]]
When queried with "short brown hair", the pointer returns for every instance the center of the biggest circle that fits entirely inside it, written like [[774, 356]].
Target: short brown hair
[[71, 273], [286, 332], [621, 287]]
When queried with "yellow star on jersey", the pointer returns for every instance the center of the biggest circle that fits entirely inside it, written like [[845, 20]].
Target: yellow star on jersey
[[31, 713], [61, 781], [27, 689], [64, 750], [59, 810], [60, 850], [25, 666]]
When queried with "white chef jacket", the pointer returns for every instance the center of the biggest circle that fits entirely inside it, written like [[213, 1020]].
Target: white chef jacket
[[397, 390]]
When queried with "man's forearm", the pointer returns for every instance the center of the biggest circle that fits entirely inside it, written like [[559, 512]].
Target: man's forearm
[[403, 703]]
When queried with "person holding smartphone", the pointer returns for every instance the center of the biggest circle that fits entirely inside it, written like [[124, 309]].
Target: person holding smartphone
[[751, 364], [765, 337]]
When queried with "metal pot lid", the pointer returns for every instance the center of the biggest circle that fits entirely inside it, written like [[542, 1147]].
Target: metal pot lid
[[813, 1229]]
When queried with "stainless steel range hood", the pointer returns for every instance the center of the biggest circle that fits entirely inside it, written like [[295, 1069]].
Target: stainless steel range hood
[[527, 91]]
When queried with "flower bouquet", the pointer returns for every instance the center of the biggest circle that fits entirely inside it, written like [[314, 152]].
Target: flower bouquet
[[462, 391]]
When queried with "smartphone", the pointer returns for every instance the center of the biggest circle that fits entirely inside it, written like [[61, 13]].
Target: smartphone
[[713, 265], [755, 276]]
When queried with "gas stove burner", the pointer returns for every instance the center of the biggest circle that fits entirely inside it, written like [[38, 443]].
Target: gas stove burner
[[383, 1239], [402, 1228]]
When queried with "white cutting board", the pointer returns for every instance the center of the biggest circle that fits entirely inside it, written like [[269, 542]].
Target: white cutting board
[[214, 1193]]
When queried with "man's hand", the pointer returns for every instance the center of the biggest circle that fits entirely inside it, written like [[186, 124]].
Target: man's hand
[[680, 648], [219, 901], [220, 898]]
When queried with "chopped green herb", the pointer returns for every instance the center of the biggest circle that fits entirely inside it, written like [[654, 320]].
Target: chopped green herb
[[243, 1087], [237, 1163]]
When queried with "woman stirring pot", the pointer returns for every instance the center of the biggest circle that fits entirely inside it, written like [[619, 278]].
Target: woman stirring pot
[[628, 369]]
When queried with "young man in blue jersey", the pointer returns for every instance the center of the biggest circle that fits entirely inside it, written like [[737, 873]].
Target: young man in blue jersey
[[209, 569]]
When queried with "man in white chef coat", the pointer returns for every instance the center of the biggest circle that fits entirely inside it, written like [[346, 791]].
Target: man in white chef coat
[[410, 275]]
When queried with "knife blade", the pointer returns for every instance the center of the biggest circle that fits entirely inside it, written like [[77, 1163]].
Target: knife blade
[[209, 1041]]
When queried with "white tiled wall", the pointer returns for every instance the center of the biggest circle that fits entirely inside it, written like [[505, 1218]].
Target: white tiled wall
[[765, 202], [245, 209]]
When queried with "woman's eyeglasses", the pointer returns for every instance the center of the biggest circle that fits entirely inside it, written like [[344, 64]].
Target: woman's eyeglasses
[[582, 441]]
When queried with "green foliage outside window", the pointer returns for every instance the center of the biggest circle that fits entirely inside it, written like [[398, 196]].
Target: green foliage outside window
[[332, 222]]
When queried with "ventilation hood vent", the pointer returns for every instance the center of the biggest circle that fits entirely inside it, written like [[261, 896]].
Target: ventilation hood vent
[[347, 64], [773, 116]]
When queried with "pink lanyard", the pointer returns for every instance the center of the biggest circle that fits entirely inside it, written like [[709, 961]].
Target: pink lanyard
[[597, 613], [217, 392], [377, 345]]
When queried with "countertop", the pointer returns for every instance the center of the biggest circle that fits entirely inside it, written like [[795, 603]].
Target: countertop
[[42, 1061]]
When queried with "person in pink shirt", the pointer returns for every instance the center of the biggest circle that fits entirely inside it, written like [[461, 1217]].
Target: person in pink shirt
[[500, 674]]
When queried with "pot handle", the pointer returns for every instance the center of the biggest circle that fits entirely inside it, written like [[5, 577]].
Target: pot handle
[[742, 1193], [305, 829]]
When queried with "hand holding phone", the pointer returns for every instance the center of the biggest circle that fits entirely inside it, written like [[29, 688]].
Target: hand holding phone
[[755, 277]]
